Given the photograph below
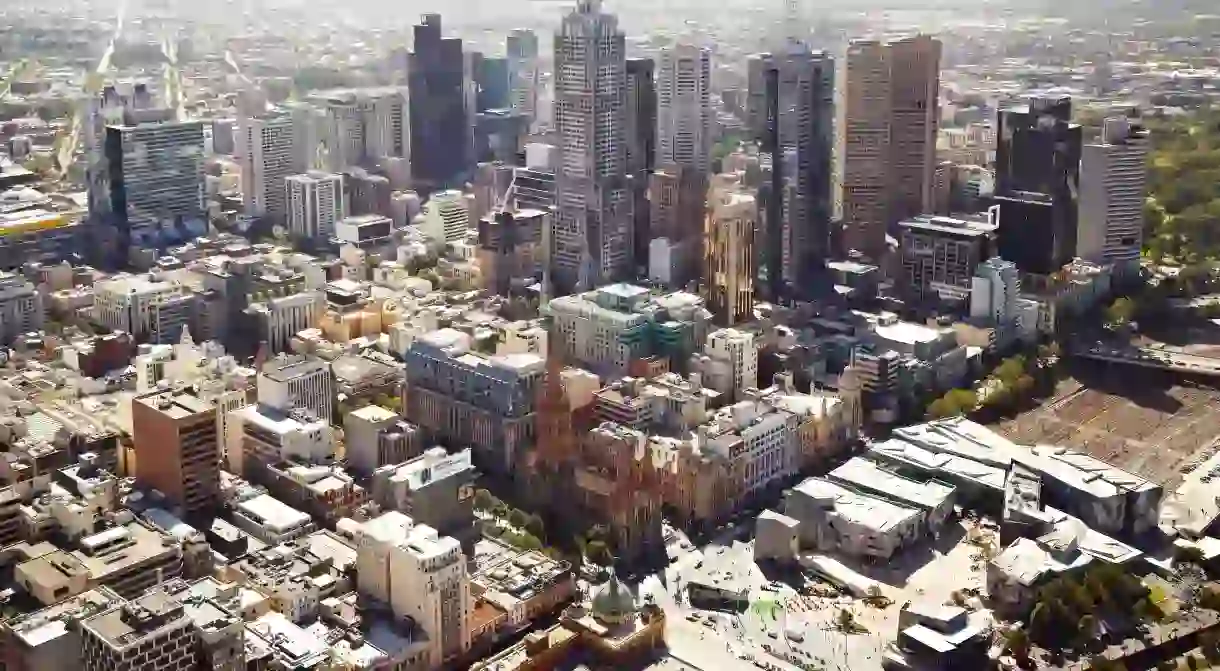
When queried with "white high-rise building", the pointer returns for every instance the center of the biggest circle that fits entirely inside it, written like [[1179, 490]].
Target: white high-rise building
[[446, 218], [592, 242], [1113, 187], [315, 204], [419, 574], [684, 108], [267, 157]]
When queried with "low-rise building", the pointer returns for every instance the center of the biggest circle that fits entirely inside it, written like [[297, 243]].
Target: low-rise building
[[435, 489], [151, 633], [512, 588], [837, 518], [271, 521]]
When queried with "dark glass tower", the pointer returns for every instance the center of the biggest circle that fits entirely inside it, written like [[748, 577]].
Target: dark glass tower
[[641, 145], [1038, 153], [441, 131]]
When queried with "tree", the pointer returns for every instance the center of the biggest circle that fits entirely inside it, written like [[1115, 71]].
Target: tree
[[1018, 644], [534, 525], [483, 499], [1120, 312], [518, 518]]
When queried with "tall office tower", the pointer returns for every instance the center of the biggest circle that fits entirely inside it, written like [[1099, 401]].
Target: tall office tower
[[729, 261], [491, 78], [267, 157], [684, 108], [342, 133], [523, 72], [151, 179], [1113, 187], [592, 243], [1038, 153], [798, 136], [316, 203], [176, 444], [383, 113], [684, 147], [641, 146], [440, 121], [889, 137]]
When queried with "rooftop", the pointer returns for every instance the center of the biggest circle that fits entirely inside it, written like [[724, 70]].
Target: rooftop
[[865, 510], [124, 626], [273, 514], [867, 475]]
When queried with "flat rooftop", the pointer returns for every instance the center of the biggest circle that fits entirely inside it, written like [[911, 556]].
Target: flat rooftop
[[119, 629], [50, 623], [272, 513], [176, 404]]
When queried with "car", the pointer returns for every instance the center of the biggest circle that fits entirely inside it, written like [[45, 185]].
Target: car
[[692, 617]]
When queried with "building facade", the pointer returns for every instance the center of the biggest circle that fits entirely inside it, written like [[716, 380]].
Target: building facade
[[467, 400], [792, 102], [729, 261], [21, 309], [940, 255], [889, 137], [440, 125], [268, 155], [592, 242], [177, 448], [1113, 187], [316, 201]]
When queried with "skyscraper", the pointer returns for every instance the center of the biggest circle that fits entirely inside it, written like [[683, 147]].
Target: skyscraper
[[684, 146], [795, 113], [592, 241], [641, 146], [315, 203], [440, 122], [523, 72], [684, 108], [729, 254], [1038, 153], [1113, 186], [267, 157], [151, 180], [889, 136]]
